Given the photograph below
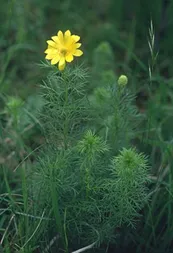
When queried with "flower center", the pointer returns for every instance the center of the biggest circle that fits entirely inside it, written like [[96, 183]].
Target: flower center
[[63, 51]]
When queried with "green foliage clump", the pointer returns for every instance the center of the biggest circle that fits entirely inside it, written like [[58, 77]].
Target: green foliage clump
[[116, 116], [87, 192], [129, 171]]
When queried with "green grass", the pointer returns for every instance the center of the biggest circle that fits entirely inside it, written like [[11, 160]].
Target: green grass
[[124, 25]]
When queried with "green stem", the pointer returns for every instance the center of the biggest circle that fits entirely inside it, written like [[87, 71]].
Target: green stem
[[56, 210], [65, 233], [87, 176], [65, 131]]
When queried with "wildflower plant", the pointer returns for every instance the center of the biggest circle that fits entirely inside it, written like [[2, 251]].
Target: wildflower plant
[[88, 179]]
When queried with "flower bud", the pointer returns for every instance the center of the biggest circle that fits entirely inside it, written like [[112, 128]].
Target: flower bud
[[122, 81]]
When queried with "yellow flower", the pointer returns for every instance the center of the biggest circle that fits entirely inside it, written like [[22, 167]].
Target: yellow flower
[[62, 48]]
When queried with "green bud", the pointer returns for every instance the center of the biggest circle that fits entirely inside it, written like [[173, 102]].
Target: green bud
[[122, 81], [14, 103]]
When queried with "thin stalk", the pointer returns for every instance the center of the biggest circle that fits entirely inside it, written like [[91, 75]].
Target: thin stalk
[[56, 210], [87, 177], [65, 131], [150, 218], [8, 188], [25, 197], [65, 233]]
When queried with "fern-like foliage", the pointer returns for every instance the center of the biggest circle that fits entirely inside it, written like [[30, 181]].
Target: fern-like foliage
[[91, 146], [128, 186], [66, 105], [116, 116], [88, 184]]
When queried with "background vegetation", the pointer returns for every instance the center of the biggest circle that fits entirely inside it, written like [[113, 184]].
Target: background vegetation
[[114, 35]]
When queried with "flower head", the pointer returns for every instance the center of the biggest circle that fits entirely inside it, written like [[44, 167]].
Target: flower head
[[122, 81], [62, 48]]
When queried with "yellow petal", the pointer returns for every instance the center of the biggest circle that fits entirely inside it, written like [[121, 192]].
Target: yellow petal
[[51, 51], [69, 58], [68, 33], [78, 45], [61, 67], [46, 51], [62, 61], [76, 38], [55, 38], [55, 59], [78, 52], [51, 43], [60, 36], [69, 42], [49, 57]]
